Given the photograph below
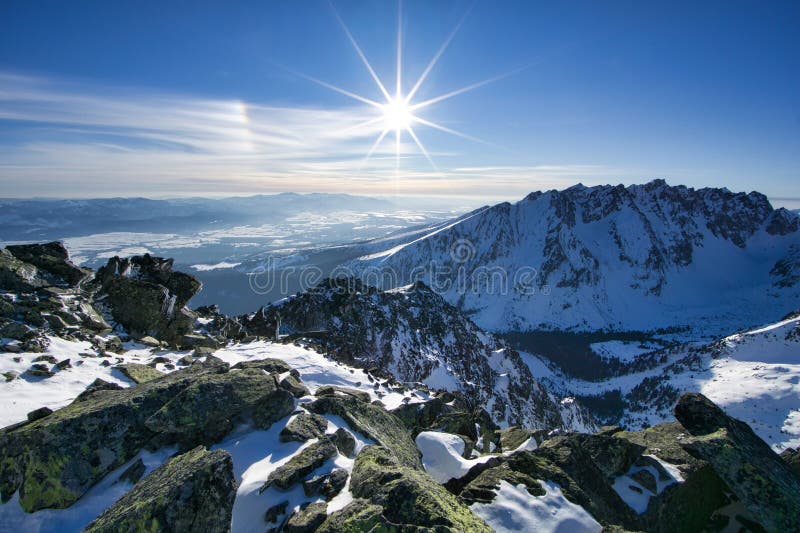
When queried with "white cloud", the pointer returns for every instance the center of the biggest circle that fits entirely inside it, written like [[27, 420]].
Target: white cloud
[[75, 140]]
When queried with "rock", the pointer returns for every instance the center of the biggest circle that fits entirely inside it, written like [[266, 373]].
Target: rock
[[63, 365], [19, 276], [374, 423], [54, 460], [294, 386], [792, 458], [194, 340], [15, 330], [12, 347], [10, 375], [39, 413], [95, 386], [147, 340], [45, 359], [358, 515], [139, 373], [145, 296], [301, 465], [51, 259], [133, 473], [40, 371], [191, 492], [335, 390], [280, 404], [328, 485], [270, 366], [757, 476], [512, 438], [277, 510], [206, 410], [345, 442], [94, 321], [186, 360], [307, 519], [56, 322], [408, 497], [36, 344], [304, 427]]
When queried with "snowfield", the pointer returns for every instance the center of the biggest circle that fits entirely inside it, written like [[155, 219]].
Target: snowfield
[[515, 509]]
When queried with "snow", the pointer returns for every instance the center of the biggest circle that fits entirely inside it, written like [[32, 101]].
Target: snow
[[442, 455], [635, 494], [216, 266], [515, 509]]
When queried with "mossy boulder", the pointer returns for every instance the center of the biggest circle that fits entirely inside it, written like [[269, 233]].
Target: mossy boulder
[[307, 519], [304, 427], [139, 373], [53, 259], [512, 438], [301, 465], [335, 390], [56, 459], [191, 492], [327, 485], [408, 497], [268, 365], [374, 423], [207, 408], [761, 480], [358, 516]]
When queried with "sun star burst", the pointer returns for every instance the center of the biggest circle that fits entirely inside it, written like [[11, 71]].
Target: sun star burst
[[397, 112]]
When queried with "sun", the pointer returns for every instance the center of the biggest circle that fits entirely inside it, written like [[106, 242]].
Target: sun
[[398, 112], [397, 115]]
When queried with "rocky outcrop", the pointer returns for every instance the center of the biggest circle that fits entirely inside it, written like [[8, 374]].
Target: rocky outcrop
[[191, 492], [53, 460], [761, 480], [144, 295], [415, 336]]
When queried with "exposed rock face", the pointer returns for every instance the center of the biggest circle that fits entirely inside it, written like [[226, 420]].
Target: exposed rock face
[[53, 460], [415, 336], [658, 246], [53, 260], [191, 492], [304, 427], [408, 497], [147, 297], [302, 464], [764, 483]]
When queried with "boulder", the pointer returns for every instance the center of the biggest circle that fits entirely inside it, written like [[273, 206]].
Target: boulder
[[374, 423], [345, 442], [191, 492], [327, 485], [301, 465], [304, 427], [139, 373], [762, 481], [307, 519], [52, 259], [295, 386], [408, 497], [335, 390], [56, 459]]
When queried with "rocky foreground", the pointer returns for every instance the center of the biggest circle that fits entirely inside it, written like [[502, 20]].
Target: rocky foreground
[[193, 428]]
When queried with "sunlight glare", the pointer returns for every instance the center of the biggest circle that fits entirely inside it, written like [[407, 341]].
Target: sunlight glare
[[397, 115]]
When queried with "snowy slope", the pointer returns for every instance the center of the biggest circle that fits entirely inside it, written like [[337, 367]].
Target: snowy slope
[[754, 375], [627, 258]]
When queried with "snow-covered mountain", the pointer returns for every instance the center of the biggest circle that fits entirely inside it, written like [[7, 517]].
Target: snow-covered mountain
[[609, 257], [413, 335]]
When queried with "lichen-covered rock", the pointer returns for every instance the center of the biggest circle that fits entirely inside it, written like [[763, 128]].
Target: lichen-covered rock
[[51, 258], [303, 427], [272, 514], [512, 438], [139, 373], [294, 385], [41, 412], [307, 519], [408, 497], [207, 408], [301, 465], [327, 485], [56, 459], [145, 296], [16, 275], [345, 442], [335, 390], [373, 422], [191, 492], [358, 516], [763, 482], [268, 365]]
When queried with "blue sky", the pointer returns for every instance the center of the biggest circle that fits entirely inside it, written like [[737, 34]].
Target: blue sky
[[207, 98]]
